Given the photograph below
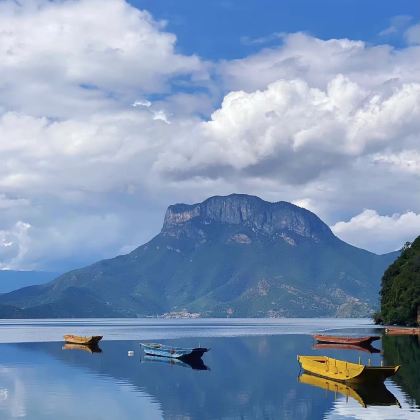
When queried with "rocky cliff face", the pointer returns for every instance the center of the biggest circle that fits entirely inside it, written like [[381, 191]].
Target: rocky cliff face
[[251, 212]]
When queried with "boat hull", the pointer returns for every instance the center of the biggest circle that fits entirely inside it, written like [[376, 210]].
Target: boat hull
[[87, 341], [402, 331], [159, 350], [341, 370], [334, 339]]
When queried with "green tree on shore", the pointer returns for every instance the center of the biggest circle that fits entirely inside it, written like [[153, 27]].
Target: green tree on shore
[[400, 294]]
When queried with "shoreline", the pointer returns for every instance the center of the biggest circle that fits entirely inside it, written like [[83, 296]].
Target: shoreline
[[52, 330]]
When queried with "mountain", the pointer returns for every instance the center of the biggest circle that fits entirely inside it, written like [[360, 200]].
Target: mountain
[[227, 256], [400, 293], [12, 280]]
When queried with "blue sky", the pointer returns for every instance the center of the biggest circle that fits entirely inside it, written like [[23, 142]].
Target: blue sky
[[218, 29], [112, 110]]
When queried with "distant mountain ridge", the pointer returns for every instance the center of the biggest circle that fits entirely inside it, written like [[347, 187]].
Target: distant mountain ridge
[[227, 256], [13, 279]]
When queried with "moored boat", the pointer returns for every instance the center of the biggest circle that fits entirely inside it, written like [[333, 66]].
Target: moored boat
[[402, 331], [160, 350], [77, 339], [337, 339], [341, 370]]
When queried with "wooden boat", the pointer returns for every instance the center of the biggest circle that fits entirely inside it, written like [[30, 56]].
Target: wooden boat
[[77, 339], [337, 339], [341, 370], [160, 350], [402, 331], [85, 347], [364, 394], [368, 349]]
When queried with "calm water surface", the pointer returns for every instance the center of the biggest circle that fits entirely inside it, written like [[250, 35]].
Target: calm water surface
[[251, 372]]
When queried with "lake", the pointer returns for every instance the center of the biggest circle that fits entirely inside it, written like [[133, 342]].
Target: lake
[[251, 371]]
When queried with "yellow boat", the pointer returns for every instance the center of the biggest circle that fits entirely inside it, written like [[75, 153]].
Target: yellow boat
[[364, 394], [341, 370]]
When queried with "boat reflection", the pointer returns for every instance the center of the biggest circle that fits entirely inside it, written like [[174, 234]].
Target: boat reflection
[[364, 393], [196, 364], [324, 346], [84, 347]]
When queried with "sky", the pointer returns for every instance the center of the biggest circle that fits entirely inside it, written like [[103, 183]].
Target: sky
[[111, 111]]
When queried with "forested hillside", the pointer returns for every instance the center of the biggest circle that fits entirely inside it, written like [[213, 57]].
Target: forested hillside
[[400, 294]]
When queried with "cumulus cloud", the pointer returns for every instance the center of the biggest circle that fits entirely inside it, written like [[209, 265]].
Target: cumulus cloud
[[89, 163], [318, 61], [297, 131], [68, 57], [380, 233]]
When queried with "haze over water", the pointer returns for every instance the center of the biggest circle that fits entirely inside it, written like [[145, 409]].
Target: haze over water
[[251, 371]]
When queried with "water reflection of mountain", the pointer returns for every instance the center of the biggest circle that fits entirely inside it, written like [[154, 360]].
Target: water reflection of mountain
[[405, 351]]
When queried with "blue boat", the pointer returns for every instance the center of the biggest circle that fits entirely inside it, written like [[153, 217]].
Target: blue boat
[[160, 350]]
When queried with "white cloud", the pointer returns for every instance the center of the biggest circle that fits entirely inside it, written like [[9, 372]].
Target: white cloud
[[297, 131], [373, 231], [143, 102], [306, 203], [318, 61], [68, 57], [160, 115], [90, 164], [14, 245], [405, 161]]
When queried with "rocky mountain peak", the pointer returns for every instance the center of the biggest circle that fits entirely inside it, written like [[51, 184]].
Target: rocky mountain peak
[[250, 211]]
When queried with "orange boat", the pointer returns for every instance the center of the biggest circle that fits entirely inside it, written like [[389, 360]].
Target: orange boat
[[367, 348], [402, 331], [87, 341], [339, 339]]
